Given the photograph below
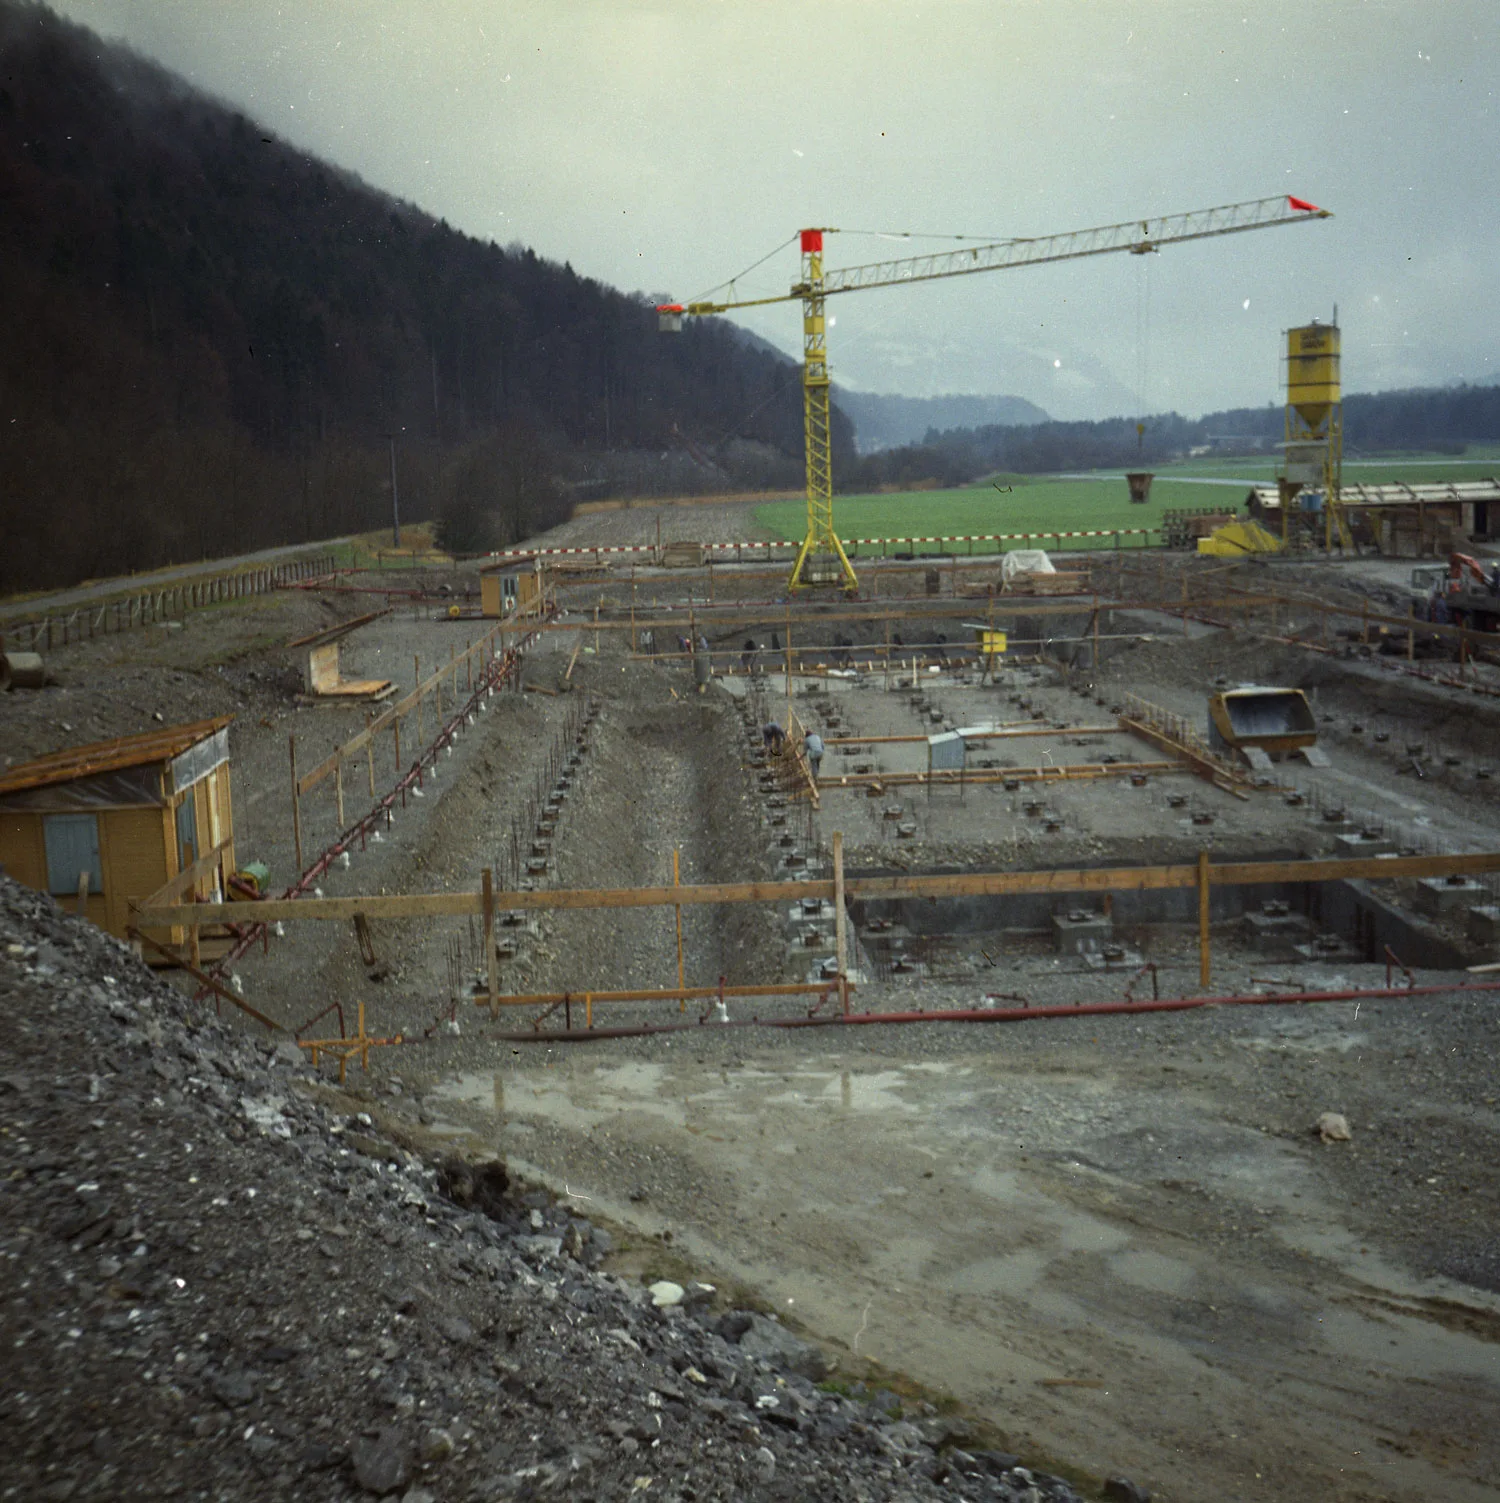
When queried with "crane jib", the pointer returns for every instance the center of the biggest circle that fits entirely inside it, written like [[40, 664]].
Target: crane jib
[[821, 558], [1137, 236]]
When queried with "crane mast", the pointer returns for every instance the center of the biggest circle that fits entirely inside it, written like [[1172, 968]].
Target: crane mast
[[821, 558]]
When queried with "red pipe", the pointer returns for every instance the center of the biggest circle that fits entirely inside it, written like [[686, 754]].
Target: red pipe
[[1003, 1014]]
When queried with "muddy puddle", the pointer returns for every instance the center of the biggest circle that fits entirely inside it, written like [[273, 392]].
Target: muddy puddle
[[1112, 1273]]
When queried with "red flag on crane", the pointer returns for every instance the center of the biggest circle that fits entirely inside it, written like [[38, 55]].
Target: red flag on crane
[[1302, 203]]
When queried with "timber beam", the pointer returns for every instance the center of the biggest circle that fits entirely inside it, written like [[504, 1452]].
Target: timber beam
[[956, 777], [962, 884]]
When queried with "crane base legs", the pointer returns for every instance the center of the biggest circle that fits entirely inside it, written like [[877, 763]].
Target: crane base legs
[[823, 564]]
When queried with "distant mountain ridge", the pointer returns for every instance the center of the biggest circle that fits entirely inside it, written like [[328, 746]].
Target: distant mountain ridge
[[884, 421]]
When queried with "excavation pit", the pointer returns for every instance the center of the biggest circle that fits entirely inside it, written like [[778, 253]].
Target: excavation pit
[[1078, 1079]]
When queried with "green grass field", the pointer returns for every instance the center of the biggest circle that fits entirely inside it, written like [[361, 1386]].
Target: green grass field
[[1040, 505], [1478, 462], [1043, 504]]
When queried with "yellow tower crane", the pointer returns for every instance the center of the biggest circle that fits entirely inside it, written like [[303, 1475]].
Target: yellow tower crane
[[821, 559]]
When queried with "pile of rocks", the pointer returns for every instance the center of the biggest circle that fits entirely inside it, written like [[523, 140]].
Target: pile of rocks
[[217, 1285]]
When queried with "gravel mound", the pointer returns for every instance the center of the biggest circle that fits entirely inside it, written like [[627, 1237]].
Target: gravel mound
[[217, 1286]]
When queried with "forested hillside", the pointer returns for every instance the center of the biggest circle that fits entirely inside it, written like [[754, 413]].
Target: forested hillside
[[206, 337]]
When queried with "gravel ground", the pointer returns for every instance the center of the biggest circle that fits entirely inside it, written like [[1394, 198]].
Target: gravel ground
[[1168, 1143], [220, 1283]]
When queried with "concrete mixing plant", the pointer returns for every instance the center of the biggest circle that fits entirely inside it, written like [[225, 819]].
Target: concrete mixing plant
[[1314, 446]]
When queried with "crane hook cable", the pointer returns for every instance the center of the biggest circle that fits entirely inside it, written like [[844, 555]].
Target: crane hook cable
[[704, 297]]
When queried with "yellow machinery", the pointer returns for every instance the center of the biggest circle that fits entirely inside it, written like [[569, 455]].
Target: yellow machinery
[[821, 558], [1315, 424], [990, 645], [1237, 539]]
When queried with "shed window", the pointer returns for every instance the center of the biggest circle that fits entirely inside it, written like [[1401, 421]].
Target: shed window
[[187, 831], [72, 849]]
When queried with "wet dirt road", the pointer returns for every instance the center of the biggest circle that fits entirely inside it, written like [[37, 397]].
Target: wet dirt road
[[1093, 1253]]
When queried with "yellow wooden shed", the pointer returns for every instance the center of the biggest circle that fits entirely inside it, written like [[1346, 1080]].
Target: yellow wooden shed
[[119, 818], [511, 587]]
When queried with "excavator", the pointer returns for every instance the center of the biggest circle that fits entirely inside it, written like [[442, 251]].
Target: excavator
[[1464, 595]]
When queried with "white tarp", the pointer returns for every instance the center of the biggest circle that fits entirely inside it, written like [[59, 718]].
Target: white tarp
[[1025, 561], [200, 759]]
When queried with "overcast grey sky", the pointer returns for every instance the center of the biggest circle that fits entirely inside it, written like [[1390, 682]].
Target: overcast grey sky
[[666, 145]]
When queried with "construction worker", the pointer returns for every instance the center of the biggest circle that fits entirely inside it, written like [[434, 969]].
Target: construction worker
[[775, 737], [813, 746]]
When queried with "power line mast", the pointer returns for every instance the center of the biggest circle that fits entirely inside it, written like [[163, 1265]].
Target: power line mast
[[821, 559]]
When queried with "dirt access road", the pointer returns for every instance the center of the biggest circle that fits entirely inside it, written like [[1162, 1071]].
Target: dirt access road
[[155, 579]]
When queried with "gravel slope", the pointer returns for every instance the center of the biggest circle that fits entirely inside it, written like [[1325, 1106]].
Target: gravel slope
[[218, 1284]]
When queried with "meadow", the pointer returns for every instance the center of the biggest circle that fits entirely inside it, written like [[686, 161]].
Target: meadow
[[1039, 504]]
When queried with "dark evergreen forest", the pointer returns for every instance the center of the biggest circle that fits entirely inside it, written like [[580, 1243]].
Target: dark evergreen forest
[[206, 337]]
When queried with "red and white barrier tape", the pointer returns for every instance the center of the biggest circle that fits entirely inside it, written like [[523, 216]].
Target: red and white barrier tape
[[979, 537]]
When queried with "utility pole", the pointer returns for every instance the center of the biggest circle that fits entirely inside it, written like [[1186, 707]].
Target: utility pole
[[395, 497]]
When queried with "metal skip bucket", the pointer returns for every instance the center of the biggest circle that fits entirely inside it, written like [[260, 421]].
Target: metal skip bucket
[[1276, 721]]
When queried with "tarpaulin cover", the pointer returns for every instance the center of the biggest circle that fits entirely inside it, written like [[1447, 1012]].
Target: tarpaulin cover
[[123, 788], [1025, 561], [198, 761]]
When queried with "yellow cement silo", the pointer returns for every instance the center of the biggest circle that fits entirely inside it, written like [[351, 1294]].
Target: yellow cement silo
[[1312, 373], [1313, 453]]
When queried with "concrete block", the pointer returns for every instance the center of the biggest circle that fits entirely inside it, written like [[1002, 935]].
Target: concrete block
[[1482, 924], [1113, 957], [1329, 948], [1081, 929], [1279, 924], [1438, 896], [1357, 846]]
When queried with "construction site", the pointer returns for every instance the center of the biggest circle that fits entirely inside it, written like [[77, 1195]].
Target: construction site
[[1080, 1035], [1054, 973]]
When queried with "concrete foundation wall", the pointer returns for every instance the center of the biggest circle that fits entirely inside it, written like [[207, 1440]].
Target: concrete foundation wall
[[1350, 909]]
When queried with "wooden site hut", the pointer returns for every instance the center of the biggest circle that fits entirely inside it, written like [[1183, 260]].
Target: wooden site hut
[[125, 816], [1401, 520], [512, 587]]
